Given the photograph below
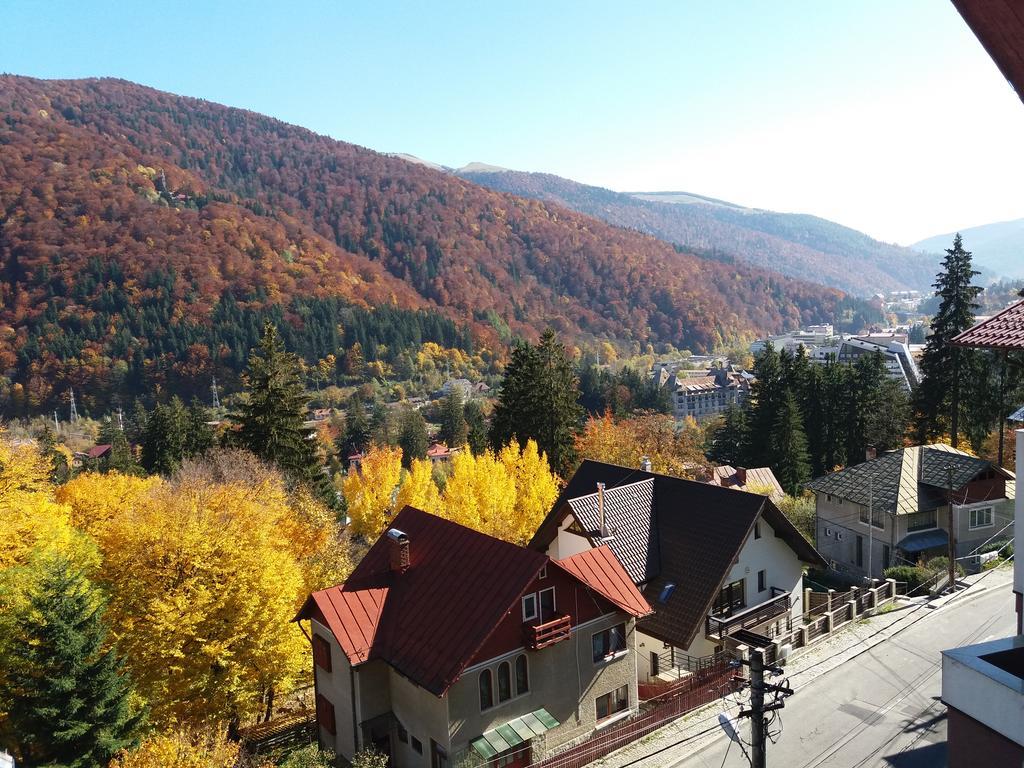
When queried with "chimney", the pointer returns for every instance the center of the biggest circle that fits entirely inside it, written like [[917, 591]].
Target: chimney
[[741, 475], [871, 453], [602, 530], [645, 463], [398, 549]]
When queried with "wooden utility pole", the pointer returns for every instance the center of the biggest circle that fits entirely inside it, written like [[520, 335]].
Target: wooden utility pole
[[757, 730]]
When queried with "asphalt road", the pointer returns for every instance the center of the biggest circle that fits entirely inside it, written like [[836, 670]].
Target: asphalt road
[[881, 708]]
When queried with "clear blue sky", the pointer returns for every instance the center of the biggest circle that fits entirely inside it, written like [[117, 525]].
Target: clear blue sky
[[885, 115]]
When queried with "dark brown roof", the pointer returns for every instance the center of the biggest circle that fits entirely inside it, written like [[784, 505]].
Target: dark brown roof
[[999, 26], [698, 531], [431, 620], [1002, 331]]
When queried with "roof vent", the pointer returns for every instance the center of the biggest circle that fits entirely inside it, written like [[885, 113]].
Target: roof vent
[[645, 463], [398, 550]]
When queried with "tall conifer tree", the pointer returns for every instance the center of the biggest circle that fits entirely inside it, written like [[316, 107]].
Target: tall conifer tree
[[539, 400], [66, 695], [947, 379], [788, 447]]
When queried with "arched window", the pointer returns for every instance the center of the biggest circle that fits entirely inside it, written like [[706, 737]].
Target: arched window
[[522, 675], [504, 681], [486, 690]]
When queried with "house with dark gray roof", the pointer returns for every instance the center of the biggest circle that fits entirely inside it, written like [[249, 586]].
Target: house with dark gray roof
[[715, 563], [895, 509]]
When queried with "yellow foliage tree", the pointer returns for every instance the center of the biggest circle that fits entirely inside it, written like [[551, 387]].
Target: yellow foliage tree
[[182, 749], [419, 489], [95, 499], [370, 491], [673, 450], [481, 494], [536, 488]]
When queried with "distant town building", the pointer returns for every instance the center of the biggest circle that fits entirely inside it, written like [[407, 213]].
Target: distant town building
[[702, 394]]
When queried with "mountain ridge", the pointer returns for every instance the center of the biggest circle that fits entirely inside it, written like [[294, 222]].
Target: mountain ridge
[[998, 246]]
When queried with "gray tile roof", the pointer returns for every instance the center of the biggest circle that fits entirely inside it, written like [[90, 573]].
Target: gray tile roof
[[629, 519], [904, 481]]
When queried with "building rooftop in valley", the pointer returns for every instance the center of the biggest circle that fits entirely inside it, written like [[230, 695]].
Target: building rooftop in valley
[[755, 480], [1004, 330], [430, 619], [668, 531], [908, 480]]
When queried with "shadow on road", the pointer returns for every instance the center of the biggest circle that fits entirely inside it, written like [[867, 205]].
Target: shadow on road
[[928, 756]]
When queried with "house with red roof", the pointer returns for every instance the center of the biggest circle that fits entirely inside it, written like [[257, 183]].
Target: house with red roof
[[447, 646], [723, 568]]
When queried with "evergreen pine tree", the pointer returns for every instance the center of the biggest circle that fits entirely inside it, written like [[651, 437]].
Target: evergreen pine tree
[[767, 393], [356, 437], [199, 436], [789, 447], [943, 374], [163, 446], [120, 458], [539, 400], [412, 436], [65, 692], [271, 415], [476, 427], [453, 420], [728, 442]]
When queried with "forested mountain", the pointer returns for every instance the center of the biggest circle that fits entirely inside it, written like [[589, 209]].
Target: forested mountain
[[998, 246], [145, 236], [798, 245]]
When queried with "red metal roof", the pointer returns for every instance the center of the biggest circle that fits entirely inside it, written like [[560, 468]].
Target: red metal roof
[[1002, 331], [98, 451], [430, 621], [599, 569]]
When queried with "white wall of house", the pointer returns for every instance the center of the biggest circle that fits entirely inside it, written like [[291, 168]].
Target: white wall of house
[[567, 544], [336, 687], [777, 559]]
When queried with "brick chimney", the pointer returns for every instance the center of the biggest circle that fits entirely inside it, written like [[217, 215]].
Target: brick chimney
[[602, 530], [645, 463], [871, 453], [741, 475], [398, 550]]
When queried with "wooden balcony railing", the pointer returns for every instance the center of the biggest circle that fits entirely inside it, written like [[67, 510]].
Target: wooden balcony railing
[[718, 627], [548, 633]]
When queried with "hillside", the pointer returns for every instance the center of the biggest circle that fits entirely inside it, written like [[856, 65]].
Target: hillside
[[144, 236], [797, 245], [998, 247]]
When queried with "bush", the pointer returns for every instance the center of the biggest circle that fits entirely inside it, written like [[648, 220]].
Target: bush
[[369, 758], [914, 576], [996, 545], [941, 564], [311, 756]]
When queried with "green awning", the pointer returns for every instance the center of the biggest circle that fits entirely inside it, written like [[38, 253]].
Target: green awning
[[513, 733]]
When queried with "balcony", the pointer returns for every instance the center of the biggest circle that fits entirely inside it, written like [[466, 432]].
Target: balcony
[[552, 631], [721, 626]]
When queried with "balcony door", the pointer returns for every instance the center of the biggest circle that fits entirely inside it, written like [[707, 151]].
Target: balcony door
[[547, 604], [731, 599]]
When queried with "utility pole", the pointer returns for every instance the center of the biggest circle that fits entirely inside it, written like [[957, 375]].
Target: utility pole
[[757, 730], [74, 410], [952, 534], [756, 713], [216, 398], [56, 424], [120, 420]]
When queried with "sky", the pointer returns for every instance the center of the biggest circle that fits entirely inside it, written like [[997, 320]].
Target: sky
[[887, 116]]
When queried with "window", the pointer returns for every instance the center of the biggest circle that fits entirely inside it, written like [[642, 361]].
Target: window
[[547, 604], [876, 517], [860, 552], [731, 598], [529, 607], [886, 556], [486, 690], [504, 682], [543, 572], [438, 755], [522, 675], [757, 529], [762, 581], [403, 735], [325, 714], [981, 517], [322, 653], [655, 664], [666, 592], [921, 521], [609, 643], [417, 745], [610, 703]]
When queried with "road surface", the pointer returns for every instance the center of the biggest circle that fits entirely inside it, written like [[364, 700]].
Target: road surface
[[881, 708]]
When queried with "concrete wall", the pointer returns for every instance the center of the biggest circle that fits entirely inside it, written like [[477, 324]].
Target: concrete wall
[[424, 716], [563, 679], [336, 687], [567, 544]]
